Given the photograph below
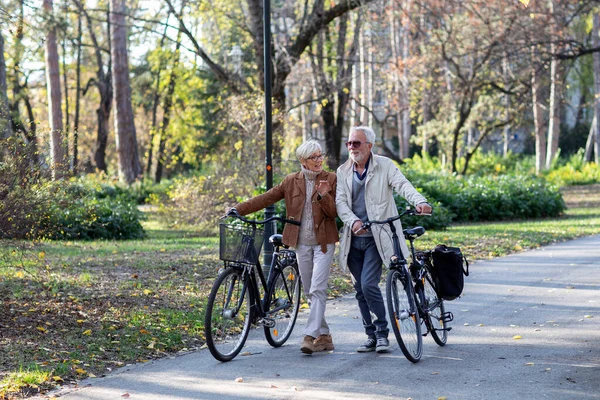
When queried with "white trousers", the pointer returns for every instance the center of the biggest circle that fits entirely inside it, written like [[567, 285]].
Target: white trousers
[[314, 268]]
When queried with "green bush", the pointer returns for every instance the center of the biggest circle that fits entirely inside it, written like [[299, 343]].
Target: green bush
[[88, 217], [32, 206], [492, 198]]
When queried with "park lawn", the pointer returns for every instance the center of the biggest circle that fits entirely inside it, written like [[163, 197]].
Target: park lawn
[[72, 310]]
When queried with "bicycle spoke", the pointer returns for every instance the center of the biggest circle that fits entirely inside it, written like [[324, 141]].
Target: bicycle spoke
[[283, 304], [406, 323], [227, 321]]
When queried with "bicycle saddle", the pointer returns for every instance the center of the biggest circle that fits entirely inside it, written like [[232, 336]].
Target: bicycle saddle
[[276, 240], [413, 233]]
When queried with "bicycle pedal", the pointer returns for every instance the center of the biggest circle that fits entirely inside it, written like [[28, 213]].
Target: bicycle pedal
[[447, 317], [266, 322]]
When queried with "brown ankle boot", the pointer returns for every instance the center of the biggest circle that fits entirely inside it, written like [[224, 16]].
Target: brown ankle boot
[[307, 345], [323, 343]]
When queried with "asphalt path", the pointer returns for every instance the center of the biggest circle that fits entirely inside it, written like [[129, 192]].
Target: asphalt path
[[526, 327]]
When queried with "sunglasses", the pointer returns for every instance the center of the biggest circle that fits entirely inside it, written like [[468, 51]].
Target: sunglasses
[[317, 158], [355, 143]]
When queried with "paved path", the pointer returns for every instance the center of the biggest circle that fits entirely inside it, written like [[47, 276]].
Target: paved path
[[550, 297]]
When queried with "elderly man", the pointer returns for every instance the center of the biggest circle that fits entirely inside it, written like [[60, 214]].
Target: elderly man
[[365, 185]]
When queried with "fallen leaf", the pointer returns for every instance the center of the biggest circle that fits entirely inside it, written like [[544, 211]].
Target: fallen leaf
[[529, 364], [80, 371], [304, 306], [517, 337], [588, 316], [87, 333], [57, 378], [126, 395], [239, 380]]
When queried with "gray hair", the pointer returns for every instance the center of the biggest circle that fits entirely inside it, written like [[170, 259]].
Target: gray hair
[[307, 148], [367, 131]]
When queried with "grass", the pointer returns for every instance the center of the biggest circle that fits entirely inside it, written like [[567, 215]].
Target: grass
[[72, 310]]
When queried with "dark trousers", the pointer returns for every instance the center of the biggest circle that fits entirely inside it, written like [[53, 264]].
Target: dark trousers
[[365, 265]]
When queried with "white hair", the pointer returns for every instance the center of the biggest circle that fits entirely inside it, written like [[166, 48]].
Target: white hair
[[307, 148], [366, 130]]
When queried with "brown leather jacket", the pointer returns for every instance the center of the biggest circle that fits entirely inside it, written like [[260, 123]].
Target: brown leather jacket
[[293, 189]]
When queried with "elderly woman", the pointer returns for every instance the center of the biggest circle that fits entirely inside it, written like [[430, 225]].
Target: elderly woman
[[309, 198]]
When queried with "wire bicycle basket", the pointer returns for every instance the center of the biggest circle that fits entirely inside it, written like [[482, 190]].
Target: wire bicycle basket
[[240, 243]]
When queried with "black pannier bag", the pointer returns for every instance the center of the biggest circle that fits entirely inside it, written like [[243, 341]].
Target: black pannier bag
[[449, 268]]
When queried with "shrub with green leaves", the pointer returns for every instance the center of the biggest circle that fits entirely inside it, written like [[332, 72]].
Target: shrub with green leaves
[[492, 198], [32, 206]]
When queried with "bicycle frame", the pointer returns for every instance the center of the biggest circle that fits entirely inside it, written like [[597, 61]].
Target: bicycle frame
[[256, 284]]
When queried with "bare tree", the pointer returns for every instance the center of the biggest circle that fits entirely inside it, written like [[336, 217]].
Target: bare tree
[[556, 85], [102, 82], [127, 149], [57, 150], [167, 105]]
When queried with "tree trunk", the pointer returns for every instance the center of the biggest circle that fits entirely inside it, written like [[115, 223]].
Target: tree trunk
[[77, 98], [57, 151], [589, 143], [538, 117], [405, 87], [596, 43], [554, 101], [127, 150], [66, 86], [167, 106], [5, 120], [155, 101], [506, 129], [103, 83]]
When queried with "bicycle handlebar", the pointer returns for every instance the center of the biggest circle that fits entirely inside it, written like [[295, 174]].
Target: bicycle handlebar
[[233, 213], [409, 211]]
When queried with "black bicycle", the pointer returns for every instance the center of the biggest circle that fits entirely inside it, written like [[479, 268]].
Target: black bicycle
[[235, 303], [411, 293]]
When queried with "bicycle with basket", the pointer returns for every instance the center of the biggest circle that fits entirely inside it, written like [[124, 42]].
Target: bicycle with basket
[[236, 301]]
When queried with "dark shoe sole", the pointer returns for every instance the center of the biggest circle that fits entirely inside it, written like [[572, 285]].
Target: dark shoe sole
[[306, 350]]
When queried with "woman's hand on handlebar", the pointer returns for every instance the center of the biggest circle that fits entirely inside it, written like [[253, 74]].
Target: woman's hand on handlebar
[[230, 211]]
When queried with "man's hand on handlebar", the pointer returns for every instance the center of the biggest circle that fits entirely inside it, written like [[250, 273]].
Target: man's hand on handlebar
[[423, 209], [357, 227]]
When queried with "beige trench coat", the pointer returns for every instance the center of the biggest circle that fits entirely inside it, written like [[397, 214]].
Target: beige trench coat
[[383, 177]]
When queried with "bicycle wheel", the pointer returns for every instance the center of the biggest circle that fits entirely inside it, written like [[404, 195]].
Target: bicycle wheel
[[228, 315], [404, 316], [436, 308], [283, 304]]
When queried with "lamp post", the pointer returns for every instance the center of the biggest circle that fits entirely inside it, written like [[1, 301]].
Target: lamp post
[[270, 210]]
